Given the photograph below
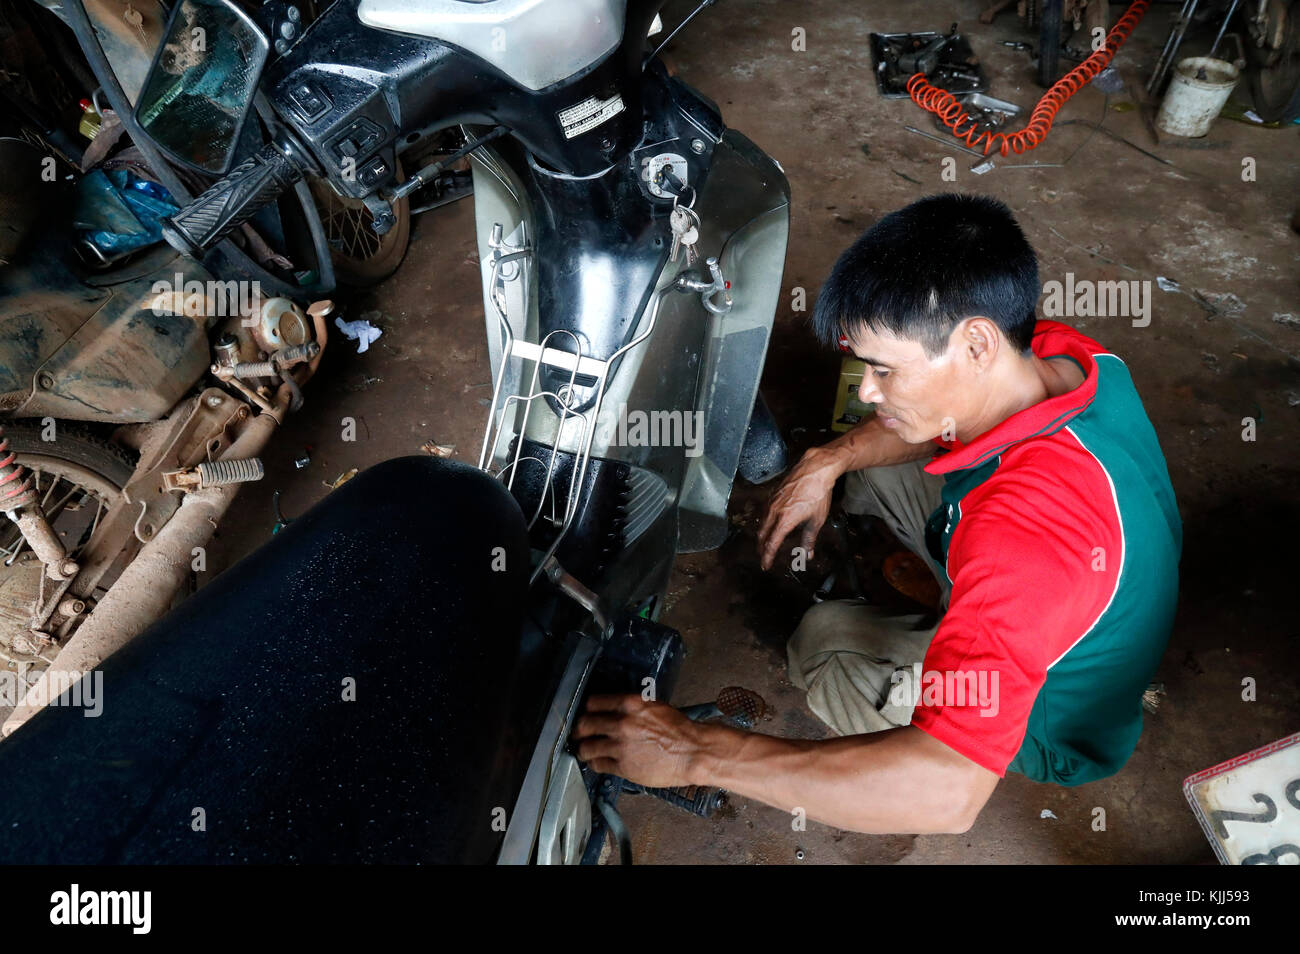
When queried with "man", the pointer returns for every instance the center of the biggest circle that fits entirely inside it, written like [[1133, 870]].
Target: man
[[1045, 512]]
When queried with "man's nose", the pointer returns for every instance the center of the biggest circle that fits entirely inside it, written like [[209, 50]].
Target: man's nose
[[868, 393]]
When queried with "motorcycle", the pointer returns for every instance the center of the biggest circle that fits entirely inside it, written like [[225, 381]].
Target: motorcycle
[[631, 249], [136, 397], [124, 366]]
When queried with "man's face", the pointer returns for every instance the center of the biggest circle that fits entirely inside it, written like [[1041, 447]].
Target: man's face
[[918, 397]]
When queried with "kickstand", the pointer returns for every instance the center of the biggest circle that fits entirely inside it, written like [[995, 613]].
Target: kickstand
[[617, 828], [850, 570]]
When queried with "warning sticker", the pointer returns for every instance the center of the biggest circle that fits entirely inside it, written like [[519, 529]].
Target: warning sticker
[[589, 114]]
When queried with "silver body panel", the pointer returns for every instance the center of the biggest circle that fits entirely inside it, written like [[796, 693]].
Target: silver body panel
[[693, 361], [534, 42], [688, 359]]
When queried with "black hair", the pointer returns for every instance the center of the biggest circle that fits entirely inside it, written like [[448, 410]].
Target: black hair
[[921, 271]]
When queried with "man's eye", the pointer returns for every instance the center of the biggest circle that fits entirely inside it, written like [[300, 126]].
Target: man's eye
[[880, 373]]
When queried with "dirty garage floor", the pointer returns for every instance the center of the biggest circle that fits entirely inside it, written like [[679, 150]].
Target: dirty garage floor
[[1110, 213]]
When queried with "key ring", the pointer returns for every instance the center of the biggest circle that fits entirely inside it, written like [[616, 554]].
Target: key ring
[[690, 213], [677, 198]]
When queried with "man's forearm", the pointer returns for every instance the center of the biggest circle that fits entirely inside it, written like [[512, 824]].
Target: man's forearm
[[898, 781], [870, 444]]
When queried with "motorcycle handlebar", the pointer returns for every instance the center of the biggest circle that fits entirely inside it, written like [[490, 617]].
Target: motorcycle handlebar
[[232, 201]]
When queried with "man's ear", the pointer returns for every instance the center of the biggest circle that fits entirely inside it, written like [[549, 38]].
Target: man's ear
[[979, 340]]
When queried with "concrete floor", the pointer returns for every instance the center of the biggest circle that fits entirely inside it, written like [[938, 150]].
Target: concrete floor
[[1110, 213]]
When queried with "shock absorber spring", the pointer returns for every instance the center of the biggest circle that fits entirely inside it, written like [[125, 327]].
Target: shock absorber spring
[[20, 502], [16, 490], [948, 108]]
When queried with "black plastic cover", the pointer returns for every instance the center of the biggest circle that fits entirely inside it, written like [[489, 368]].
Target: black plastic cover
[[409, 580]]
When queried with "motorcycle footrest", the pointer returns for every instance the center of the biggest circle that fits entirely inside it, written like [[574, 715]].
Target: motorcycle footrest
[[699, 800]]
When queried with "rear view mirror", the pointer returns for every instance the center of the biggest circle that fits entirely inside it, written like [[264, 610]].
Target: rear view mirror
[[200, 88]]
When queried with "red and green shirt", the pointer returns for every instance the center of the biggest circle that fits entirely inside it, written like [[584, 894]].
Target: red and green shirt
[[1061, 536]]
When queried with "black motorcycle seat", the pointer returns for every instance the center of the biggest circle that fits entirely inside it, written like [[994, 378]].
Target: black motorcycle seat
[[362, 688]]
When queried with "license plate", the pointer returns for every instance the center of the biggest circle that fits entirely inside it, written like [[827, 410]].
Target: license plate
[[1249, 807]]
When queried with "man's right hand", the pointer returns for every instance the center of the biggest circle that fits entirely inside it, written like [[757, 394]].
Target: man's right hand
[[802, 500]]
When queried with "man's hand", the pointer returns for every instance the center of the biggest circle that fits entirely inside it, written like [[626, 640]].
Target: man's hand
[[803, 499], [649, 743]]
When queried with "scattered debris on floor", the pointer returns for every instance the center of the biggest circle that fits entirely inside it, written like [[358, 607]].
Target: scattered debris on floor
[[341, 479], [362, 332]]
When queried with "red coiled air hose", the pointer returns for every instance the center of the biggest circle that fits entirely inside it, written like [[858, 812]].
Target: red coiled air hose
[[946, 106]]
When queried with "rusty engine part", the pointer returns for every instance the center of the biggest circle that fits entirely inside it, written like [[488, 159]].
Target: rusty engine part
[[147, 585], [284, 358], [253, 379], [197, 431], [281, 324], [227, 351]]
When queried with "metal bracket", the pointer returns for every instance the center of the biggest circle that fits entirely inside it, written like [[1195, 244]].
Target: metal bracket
[[687, 281]]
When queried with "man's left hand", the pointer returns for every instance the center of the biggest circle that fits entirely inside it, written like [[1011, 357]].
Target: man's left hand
[[649, 743]]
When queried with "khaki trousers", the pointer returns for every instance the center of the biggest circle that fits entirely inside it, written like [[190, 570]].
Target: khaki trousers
[[845, 653]]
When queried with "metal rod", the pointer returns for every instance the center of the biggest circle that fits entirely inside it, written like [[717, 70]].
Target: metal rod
[[946, 142], [1219, 39], [617, 828], [429, 172], [1174, 40], [689, 18]]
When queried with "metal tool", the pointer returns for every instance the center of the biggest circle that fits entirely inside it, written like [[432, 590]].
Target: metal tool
[[925, 59], [1172, 43], [689, 17], [947, 142], [1219, 39]]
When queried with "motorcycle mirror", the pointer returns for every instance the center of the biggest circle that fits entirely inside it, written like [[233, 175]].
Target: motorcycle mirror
[[200, 87]]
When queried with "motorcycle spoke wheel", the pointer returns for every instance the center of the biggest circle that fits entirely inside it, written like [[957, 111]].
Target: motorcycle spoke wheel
[[73, 498], [360, 256]]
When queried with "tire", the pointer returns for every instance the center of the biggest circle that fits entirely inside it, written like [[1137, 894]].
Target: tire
[[1049, 42], [1276, 87], [74, 443], [80, 462], [77, 455]]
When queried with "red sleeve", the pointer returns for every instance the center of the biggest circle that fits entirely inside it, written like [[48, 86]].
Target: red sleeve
[[1025, 588]]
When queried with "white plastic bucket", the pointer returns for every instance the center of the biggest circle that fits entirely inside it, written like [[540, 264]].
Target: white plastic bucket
[[1190, 103]]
